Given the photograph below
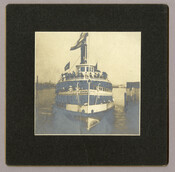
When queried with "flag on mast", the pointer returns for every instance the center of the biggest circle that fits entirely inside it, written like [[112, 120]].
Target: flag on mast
[[95, 67], [81, 40], [67, 66]]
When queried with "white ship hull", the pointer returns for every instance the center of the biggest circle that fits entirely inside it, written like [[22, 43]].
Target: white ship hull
[[88, 109]]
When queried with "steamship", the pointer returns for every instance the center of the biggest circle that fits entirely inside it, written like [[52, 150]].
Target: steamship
[[86, 90]]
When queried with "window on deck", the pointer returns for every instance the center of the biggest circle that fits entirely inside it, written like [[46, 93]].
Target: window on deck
[[82, 69]]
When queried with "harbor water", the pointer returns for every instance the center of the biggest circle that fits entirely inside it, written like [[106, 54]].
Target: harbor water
[[51, 120]]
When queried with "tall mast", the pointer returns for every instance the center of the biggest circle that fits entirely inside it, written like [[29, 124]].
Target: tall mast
[[84, 52]]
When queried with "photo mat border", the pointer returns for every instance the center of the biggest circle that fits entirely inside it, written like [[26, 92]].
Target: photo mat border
[[14, 153]]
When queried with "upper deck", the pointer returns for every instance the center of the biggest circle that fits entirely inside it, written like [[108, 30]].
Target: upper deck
[[85, 72]]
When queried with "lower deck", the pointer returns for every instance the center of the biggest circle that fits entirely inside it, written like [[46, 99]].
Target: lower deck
[[84, 96], [83, 99]]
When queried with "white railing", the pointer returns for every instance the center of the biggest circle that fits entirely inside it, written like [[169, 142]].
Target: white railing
[[84, 78]]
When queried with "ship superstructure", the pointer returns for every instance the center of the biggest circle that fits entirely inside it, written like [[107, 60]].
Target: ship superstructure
[[87, 89]]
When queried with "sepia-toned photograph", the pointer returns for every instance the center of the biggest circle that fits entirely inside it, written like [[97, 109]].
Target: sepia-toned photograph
[[87, 83]]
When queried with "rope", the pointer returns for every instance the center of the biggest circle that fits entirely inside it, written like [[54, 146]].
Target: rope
[[74, 64]]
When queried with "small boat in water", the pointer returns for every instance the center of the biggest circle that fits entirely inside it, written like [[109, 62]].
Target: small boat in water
[[86, 90]]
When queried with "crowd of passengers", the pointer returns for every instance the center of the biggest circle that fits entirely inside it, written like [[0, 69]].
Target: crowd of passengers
[[70, 88], [67, 76]]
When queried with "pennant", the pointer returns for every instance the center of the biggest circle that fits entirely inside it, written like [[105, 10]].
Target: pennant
[[95, 67], [67, 66]]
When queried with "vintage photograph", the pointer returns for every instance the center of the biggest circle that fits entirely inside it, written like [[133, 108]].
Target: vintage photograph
[[87, 83]]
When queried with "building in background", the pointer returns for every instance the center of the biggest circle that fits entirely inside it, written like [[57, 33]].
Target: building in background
[[132, 91]]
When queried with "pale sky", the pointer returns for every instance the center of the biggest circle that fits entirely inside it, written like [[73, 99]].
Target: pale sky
[[117, 53]]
